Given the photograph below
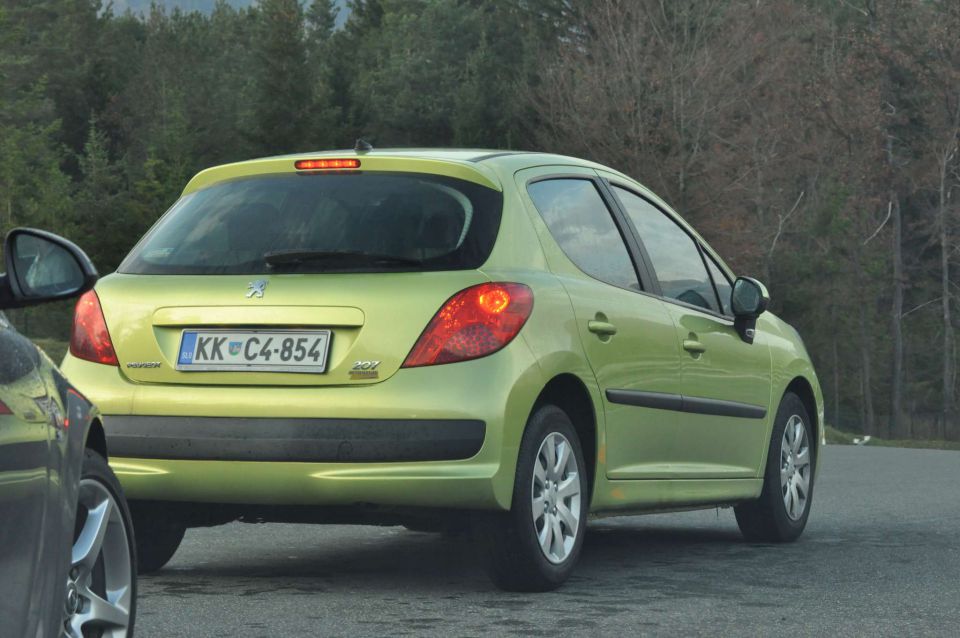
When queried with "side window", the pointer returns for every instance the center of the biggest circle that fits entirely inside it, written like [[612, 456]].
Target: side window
[[582, 224], [675, 256], [720, 280]]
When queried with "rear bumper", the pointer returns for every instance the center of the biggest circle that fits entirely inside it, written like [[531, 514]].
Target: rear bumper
[[439, 436], [294, 440]]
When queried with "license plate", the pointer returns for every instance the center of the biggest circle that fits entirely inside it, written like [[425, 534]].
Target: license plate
[[254, 350]]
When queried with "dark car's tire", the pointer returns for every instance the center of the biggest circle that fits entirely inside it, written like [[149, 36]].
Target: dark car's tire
[[103, 556], [780, 514], [158, 536], [515, 559]]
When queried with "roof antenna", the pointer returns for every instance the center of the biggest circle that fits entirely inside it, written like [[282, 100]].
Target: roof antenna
[[362, 145]]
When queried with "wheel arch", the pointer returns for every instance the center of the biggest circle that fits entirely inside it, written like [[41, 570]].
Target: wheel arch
[[96, 438], [801, 387], [569, 393]]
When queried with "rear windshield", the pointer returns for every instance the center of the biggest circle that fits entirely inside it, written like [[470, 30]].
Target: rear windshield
[[321, 222]]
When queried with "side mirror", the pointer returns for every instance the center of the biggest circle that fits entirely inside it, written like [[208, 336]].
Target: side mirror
[[748, 299], [42, 267]]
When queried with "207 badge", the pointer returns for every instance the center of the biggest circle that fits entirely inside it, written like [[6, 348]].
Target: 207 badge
[[364, 370]]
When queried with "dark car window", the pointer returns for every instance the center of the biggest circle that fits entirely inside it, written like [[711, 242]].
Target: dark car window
[[581, 223], [675, 256], [722, 282], [422, 222]]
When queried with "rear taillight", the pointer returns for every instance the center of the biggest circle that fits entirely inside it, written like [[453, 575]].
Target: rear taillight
[[475, 322], [91, 339], [4, 409]]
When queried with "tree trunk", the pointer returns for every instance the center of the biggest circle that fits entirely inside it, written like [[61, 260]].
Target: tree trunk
[[870, 424], [869, 418], [896, 382], [835, 355], [948, 337]]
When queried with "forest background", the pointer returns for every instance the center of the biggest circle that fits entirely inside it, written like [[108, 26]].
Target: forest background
[[814, 143]]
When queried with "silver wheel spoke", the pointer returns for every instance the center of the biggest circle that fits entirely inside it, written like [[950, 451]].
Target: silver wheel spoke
[[802, 482], [795, 501], [539, 473], [562, 459], [557, 546], [550, 452], [546, 535], [569, 487], [102, 613], [567, 518], [87, 547], [802, 459], [539, 508]]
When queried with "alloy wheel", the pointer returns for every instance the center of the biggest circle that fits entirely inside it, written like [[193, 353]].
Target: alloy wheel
[[795, 467], [556, 497], [100, 583]]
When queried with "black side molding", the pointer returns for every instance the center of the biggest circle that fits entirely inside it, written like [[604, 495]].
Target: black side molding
[[296, 440], [656, 400], [681, 403]]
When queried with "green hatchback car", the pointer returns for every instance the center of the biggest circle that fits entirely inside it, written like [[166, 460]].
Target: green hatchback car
[[508, 342]]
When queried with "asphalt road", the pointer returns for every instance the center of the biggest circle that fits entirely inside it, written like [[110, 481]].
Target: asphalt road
[[881, 556]]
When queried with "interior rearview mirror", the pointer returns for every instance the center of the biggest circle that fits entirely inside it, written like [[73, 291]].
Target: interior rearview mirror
[[748, 299], [42, 267]]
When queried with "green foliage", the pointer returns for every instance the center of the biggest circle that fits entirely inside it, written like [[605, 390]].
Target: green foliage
[[767, 124]]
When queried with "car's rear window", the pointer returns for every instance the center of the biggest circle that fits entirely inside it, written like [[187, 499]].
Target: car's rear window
[[316, 222]]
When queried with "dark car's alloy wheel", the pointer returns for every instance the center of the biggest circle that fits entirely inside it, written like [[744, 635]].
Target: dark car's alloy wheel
[[535, 545], [101, 585]]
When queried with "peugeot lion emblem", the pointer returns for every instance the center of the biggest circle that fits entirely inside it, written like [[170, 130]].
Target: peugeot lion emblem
[[256, 288]]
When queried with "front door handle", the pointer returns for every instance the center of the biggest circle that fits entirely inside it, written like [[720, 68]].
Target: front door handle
[[694, 346], [601, 328]]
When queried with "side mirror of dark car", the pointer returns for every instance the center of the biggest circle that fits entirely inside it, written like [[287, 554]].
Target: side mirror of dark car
[[42, 267], [748, 299]]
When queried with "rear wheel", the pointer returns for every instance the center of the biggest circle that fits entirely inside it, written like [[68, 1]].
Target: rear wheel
[[158, 537], [535, 545], [781, 512], [101, 595]]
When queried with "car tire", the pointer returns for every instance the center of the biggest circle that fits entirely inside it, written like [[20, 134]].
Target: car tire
[[158, 536], [780, 514], [524, 552], [102, 581]]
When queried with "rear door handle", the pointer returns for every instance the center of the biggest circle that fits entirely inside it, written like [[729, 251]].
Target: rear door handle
[[601, 327], [692, 345]]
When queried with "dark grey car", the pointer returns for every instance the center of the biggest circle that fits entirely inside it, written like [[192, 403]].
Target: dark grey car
[[67, 565]]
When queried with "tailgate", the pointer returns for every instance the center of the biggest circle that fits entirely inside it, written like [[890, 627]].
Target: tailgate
[[366, 323]]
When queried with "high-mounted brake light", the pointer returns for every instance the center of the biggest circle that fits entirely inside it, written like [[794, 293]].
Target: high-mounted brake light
[[321, 164], [91, 339], [475, 322]]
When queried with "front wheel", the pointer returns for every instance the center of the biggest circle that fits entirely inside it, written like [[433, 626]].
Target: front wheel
[[535, 545], [102, 583], [781, 512]]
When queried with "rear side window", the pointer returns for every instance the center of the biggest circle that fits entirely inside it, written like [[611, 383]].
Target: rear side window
[[675, 256], [358, 222], [581, 223]]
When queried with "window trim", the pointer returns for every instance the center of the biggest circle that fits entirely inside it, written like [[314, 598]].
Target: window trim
[[646, 256], [644, 276], [707, 258]]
